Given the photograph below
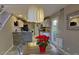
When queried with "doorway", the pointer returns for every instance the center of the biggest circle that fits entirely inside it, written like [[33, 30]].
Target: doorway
[[54, 30], [55, 39]]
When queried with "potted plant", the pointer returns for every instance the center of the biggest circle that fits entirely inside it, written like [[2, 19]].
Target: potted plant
[[42, 41]]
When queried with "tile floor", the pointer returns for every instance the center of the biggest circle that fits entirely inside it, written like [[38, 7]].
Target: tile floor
[[31, 50]]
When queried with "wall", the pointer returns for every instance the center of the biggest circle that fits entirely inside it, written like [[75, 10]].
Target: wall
[[71, 37], [6, 37]]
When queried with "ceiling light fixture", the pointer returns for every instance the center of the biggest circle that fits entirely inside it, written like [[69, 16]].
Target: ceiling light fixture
[[35, 14]]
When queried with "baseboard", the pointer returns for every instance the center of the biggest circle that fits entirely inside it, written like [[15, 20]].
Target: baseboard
[[60, 49], [8, 50], [65, 52]]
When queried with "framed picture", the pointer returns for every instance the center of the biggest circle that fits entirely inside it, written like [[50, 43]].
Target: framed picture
[[73, 21], [4, 17]]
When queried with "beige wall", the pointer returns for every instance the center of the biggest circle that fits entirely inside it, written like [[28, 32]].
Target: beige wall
[[6, 37], [71, 37]]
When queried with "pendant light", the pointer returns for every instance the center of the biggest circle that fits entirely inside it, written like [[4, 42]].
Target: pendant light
[[35, 14]]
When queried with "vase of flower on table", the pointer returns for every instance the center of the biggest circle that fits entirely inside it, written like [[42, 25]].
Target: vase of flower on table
[[42, 42]]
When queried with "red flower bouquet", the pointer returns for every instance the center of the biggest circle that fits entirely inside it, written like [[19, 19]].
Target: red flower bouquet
[[42, 41]]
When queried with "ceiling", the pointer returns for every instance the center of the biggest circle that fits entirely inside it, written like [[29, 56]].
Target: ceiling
[[23, 8]]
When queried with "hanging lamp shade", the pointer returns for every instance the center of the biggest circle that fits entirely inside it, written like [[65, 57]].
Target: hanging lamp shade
[[35, 14]]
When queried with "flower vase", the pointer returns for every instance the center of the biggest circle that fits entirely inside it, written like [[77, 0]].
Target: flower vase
[[42, 49]]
